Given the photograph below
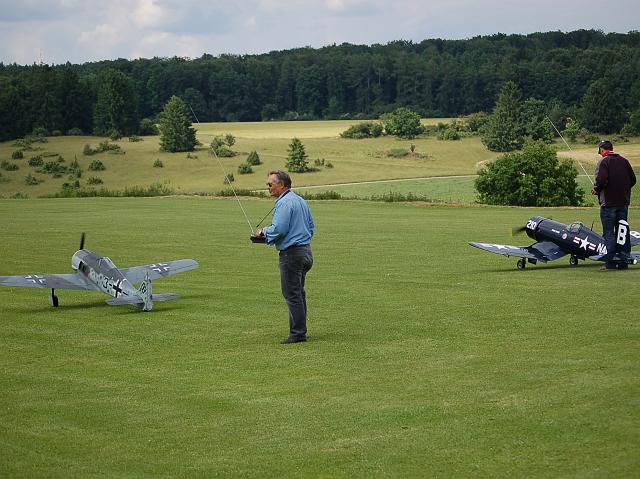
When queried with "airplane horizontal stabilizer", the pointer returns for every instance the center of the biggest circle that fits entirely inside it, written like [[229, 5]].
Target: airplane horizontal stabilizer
[[121, 301], [138, 301], [165, 297]]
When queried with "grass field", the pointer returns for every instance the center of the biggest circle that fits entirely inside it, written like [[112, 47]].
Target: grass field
[[353, 161], [426, 358], [443, 189]]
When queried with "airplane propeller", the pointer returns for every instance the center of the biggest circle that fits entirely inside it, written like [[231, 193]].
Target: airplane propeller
[[518, 230], [82, 241], [521, 229]]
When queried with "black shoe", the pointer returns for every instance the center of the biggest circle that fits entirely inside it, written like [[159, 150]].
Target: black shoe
[[293, 339]]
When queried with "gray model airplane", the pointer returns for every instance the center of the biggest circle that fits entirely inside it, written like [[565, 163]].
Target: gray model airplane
[[93, 272]]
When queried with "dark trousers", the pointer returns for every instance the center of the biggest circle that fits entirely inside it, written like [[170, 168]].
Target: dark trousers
[[295, 263], [610, 215]]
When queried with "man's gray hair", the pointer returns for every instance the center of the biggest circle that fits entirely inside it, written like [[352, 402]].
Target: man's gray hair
[[282, 176]]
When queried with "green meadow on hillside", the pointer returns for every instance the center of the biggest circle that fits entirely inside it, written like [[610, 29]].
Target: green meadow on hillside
[[353, 160], [426, 358]]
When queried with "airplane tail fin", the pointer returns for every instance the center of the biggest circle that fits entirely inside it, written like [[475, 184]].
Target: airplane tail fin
[[145, 291]]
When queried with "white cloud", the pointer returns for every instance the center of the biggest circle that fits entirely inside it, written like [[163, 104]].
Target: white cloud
[[149, 14], [103, 36], [91, 30]]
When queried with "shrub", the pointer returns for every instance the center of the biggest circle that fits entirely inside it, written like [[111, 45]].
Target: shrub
[[74, 169], [221, 146], [155, 189], [23, 144], [229, 139], [74, 185], [253, 159], [87, 150], [75, 132], [106, 147], [475, 121], [148, 127], [94, 180], [397, 152], [96, 165], [329, 164], [363, 130], [8, 166], [449, 133], [36, 161], [572, 129], [403, 123], [228, 179], [245, 169], [158, 164], [31, 180], [115, 135], [223, 152], [17, 155], [56, 133], [39, 132], [589, 138], [53, 168], [135, 139], [531, 177], [324, 195]]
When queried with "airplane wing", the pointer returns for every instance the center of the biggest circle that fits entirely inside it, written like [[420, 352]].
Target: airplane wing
[[543, 251], [136, 274], [58, 281]]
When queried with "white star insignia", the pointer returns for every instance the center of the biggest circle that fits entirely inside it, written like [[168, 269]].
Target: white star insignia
[[584, 242]]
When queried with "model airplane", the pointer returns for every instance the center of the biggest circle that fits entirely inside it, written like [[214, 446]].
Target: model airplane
[[93, 272], [555, 240]]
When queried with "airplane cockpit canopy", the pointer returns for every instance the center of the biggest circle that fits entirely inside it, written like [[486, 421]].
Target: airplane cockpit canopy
[[575, 227], [106, 262]]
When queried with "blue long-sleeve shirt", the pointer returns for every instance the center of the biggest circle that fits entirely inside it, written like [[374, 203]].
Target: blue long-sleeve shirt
[[292, 223]]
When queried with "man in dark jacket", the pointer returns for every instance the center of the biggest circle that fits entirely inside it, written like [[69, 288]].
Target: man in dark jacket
[[613, 183]]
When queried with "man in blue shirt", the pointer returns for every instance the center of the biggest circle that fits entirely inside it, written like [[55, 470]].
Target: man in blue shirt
[[290, 232]]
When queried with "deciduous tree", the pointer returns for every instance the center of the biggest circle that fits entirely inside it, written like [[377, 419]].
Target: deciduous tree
[[531, 177]]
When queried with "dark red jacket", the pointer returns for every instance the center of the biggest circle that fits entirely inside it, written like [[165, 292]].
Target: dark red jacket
[[614, 179]]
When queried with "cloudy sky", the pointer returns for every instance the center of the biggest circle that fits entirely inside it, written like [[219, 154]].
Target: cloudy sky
[[79, 31]]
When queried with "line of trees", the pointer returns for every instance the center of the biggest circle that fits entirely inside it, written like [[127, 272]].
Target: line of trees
[[571, 72]]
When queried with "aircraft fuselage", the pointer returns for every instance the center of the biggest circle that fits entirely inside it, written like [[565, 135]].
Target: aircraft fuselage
[[576, 238], [102, 273]]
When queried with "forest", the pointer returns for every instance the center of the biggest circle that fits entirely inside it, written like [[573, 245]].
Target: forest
[[577, 74]]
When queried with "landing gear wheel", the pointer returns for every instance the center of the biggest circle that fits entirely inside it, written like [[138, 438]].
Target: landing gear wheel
[[573, 260], [521, 263]]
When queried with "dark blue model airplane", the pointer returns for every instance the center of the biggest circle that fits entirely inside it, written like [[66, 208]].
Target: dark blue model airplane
[[555, 240]]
